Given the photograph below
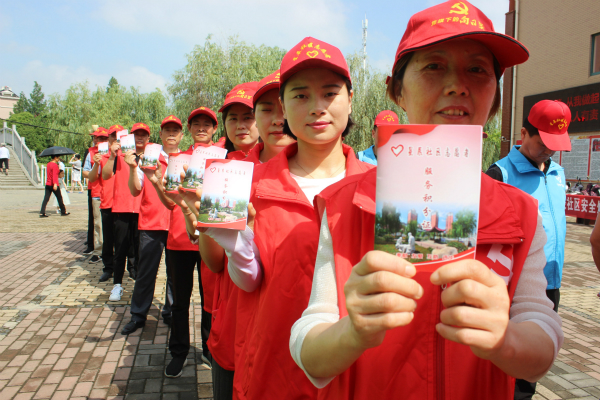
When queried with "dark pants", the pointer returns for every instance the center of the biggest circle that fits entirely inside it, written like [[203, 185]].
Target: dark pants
[[182, 264], [48, 191], [524, 390], [90, 229], [152, 244], [108, 243], [4, 163], [126, 237], [222, 382]]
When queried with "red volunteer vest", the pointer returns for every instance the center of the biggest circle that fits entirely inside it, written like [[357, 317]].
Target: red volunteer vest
[[286, 233], [414, 362], [106, 197], [123, 201], [154, 216], [208, 287], [254, 155], [94, 186]]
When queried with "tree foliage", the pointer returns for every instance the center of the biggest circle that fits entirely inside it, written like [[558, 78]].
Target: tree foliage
[[464, 224], [35, 105], [36, 139], [388, 221]]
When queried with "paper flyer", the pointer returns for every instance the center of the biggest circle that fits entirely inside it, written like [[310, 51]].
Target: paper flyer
[[195, 174], [428, 190], [127, 143], [225, 194], [151, 156], [174, 170], [103, 148], [124, 132]]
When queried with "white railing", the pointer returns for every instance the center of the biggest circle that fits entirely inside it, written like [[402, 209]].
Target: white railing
[[25, 156], [67, 178]]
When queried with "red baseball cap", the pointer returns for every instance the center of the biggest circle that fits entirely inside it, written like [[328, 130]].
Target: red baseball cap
[[386, 117], [267, 83], [313, 53], [100, 132], [203, 111], [241, 94], [171, 118], [114, 129], [552, 119], [453, 20], [140, 126]]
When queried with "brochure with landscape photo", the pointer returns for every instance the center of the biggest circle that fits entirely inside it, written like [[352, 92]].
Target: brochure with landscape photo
[[103, 148], [120, 134], [127, 143], [174, 170], [151, 156], [225, 194], [195, 173], [428, 189]]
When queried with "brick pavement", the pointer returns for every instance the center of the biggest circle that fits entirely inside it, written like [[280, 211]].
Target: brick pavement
[[59, 335]]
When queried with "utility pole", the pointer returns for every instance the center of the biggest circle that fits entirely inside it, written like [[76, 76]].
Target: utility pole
[[365, 24]]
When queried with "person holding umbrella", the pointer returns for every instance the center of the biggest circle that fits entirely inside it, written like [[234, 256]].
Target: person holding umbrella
[[52, 187]]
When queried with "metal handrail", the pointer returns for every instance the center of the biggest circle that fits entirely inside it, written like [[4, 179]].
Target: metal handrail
[[25, 157]]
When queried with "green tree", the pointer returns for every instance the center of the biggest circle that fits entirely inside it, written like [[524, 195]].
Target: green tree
[[37, 104], [388, 220], [411, 227], [22, 104], [491, 144], [240, 206], [36, 139], [464, 224], [112, 83]]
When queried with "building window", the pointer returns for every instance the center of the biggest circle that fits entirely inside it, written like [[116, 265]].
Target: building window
[[596, 54]]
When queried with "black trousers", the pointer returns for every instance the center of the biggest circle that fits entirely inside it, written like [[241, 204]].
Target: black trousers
[[48, 192], [152, 244], [524, 390], [222, 382], [90, 232], [126, 238], [108, 243], [181, 264]]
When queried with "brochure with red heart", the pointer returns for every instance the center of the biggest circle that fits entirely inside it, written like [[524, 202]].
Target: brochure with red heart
[[194, 177], [151, 156], [428, 190], [174, 170], [225, 194]]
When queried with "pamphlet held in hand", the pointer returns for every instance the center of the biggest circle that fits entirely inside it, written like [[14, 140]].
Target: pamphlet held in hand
[[428, 189], [103, 148], [127, 143], [194, 176], [151, 156], [120, 134], [225, 194], [174, 170]]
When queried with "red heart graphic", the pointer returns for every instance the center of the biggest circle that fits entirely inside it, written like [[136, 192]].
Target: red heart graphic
[[397, 150], [213, 169]]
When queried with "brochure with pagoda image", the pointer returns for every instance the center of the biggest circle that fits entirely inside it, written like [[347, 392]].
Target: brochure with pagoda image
[[151, 156], [225, 194], [174, 170], [195, 173], [103, 148], [121, 133], [428, 190], [127, 143]]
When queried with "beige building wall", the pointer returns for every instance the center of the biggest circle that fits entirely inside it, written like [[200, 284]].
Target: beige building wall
[[558, 36], [6, 106]]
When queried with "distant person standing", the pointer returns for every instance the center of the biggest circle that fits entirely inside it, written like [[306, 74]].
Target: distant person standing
[[62, 186], [52, 183], [4, 156], [530, 168], [75, 161], [386, 117]]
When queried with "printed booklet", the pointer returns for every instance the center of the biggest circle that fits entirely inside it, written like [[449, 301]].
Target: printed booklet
[[151, 156], [174, 170], [127, 143], [225, 194], [428, 184], [120, 134], [195, 173], [103, 148]]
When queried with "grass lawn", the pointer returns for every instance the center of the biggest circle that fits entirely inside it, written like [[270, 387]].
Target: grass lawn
[[391, 248]]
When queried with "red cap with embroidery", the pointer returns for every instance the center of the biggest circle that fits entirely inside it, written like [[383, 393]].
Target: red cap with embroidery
[[114, 129], [100, 132], [267, 83], [171, 118], [552, 119], [204, 111], [313, 53], [241, 94], [453, 20], [386, 117], [140, 126]]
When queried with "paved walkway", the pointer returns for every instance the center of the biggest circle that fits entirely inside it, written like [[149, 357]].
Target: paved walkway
[[59, 336]]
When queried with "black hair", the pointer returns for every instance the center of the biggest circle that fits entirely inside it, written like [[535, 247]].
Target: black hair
[[531, 130], [286, 128], [196, 116], [228, 143]]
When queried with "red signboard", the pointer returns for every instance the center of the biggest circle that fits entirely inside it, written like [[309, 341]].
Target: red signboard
[[582, 206]]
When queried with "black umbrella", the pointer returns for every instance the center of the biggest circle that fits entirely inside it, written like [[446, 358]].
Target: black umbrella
[[56, 151]]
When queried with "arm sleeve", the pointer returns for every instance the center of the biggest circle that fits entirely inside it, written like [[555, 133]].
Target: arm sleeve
[[244, 264], [323, 302], [87, 165], [494, 172], [530, 302]]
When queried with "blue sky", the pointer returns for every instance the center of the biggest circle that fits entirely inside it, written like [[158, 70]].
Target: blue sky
[[142, 42]]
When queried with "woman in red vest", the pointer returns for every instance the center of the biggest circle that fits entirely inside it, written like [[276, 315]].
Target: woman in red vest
[[374, 327]]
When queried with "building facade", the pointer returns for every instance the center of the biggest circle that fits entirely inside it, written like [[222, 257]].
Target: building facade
[[563, 38], [8, 100]]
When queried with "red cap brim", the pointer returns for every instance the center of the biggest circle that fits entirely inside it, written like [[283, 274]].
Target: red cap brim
[[263, 90], [556, 142], [314, 63]]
